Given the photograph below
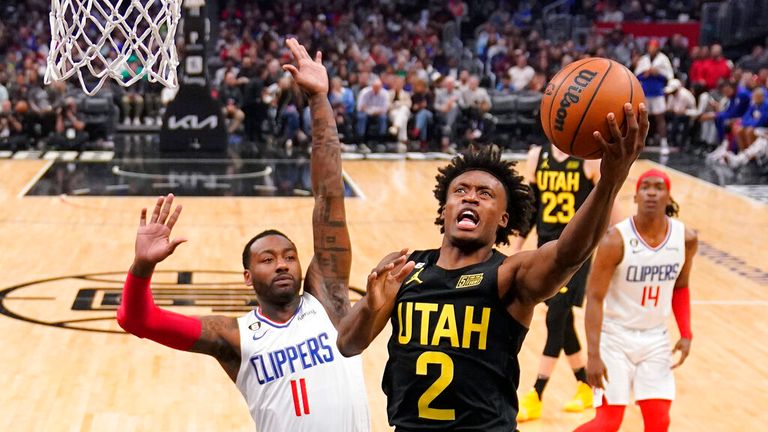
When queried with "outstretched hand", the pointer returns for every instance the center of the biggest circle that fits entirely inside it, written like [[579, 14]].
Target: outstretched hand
[[385, 280], [623, 150], [153, 243], [310, 75]]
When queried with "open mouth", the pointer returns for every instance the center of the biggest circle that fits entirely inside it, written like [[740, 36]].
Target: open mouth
[[468, 220]]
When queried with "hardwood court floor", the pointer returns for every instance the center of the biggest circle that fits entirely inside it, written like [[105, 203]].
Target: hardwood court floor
[[60, 379]]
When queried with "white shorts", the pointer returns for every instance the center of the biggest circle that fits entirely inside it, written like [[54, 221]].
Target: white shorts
[[656, 105], [637, 361]]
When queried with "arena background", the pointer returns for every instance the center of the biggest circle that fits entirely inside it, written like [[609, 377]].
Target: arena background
[[232, 142]]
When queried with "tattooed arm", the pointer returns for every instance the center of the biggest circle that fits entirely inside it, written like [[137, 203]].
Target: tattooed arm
[[328, 274]]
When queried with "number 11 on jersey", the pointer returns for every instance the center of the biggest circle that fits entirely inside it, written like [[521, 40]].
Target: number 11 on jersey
[[300, 396]]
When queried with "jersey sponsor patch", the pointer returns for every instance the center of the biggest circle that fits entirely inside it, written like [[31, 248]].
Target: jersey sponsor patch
[[467, 281], [572, 165]]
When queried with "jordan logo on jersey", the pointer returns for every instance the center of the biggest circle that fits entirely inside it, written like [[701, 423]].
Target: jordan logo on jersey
[[415, 278], [279, 363]]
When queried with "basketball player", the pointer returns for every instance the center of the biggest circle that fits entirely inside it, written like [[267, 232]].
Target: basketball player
[[640, 275], [560, 184], [282, 356], [462, 312]]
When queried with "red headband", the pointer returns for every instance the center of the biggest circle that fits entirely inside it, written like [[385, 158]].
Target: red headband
[[654, 173]]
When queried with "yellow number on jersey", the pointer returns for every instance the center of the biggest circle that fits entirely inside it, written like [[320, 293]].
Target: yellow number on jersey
[[567, 204], [437, 387]]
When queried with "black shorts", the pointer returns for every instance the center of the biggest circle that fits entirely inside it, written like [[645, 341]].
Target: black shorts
[[572, 294]]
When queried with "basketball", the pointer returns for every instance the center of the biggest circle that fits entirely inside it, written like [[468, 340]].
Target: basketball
[[577, 100], [21, 107]]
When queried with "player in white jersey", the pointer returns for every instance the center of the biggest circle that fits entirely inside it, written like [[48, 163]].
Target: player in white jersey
[[283, 355], [639, 277]]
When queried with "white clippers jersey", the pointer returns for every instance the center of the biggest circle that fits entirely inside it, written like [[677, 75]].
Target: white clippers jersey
[[640, 295], [293, 376]]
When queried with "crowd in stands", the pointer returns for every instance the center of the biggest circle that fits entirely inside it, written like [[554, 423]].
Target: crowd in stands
[[422, 76]]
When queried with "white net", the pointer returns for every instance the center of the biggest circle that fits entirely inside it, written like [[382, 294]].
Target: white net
[[125, 40]]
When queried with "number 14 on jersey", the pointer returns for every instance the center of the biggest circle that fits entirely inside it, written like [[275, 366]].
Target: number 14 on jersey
[[651, 295]]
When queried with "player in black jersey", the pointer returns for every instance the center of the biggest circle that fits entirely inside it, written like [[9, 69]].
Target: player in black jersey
[[460, 313], [560, 183]]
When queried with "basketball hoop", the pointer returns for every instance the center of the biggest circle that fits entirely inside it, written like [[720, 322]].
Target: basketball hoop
[[126, 40]]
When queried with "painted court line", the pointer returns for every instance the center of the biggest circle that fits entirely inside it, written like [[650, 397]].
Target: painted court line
[[35, 179]]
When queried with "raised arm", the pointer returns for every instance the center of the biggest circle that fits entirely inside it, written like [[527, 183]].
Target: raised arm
[[217, 336], [681, 299], [537, 275], [370, 315], [328, 273], [607, 258]]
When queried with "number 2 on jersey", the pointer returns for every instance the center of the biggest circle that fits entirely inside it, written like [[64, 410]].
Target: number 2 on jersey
[[551, 200], [437, 387]]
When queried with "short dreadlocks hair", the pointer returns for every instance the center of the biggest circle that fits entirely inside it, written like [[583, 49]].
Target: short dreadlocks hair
[[519, 197], [672, 209]]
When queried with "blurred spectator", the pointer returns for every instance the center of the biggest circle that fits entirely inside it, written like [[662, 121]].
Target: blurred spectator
[[152, 103], [252, 81], [422, 112], [372, 104], [4, 96], [288, 100], [447, 109], [755, 117], [342, 97], [231, 97], [11, 137], [705, 130], [697, 70], [753, 61], [475, 97], [716, 67], [133, 106], [654, 70], [70, 129], [736, 103], [677, 51], [343, 102], [612, 13], [230, 92], [505, 86], [221, 73], [476, 103], [40, 104], [399, 110], [680, 104], [521, 73], [634, 11]]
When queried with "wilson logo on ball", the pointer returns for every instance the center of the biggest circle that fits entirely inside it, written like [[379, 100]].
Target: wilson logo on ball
[[572, 96]]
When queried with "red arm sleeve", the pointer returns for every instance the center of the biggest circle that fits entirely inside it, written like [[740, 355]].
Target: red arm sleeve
[[139, 316], [681, 307]]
